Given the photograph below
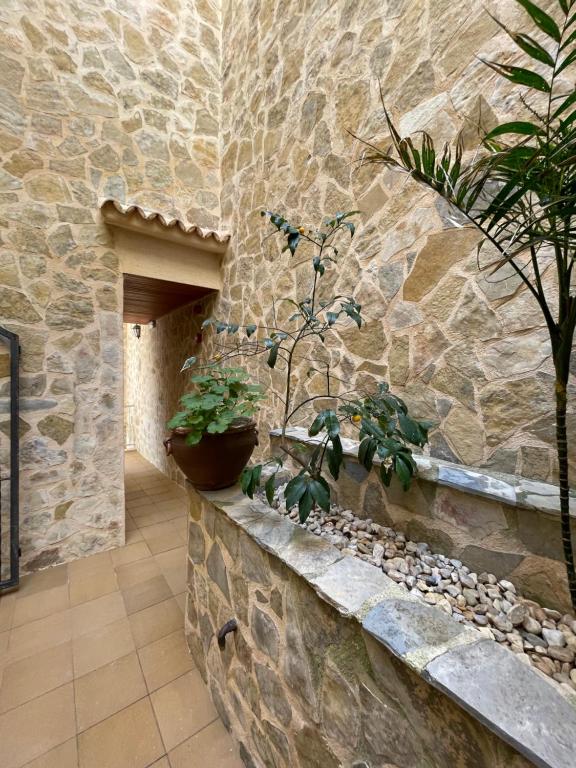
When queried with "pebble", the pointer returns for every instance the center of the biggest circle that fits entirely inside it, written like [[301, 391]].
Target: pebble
[[542, 637]]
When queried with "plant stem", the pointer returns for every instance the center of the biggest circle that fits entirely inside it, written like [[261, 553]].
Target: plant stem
[[562, 451]]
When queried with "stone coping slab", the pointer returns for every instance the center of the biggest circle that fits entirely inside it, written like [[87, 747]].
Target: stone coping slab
[[514, 490], [510, 698]]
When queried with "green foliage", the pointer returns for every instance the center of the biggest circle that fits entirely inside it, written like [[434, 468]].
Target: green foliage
[[221, 397], [519, 191], [384, 418]]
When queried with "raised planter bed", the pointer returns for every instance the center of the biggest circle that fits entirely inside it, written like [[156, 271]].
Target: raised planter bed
[[334, 664]]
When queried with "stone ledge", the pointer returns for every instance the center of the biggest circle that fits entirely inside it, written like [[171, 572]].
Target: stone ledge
[[511, 699], [513, 490]]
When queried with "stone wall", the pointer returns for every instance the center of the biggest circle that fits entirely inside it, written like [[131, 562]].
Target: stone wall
[[333, 665], [154, 382], [463, 349], [109, 99]]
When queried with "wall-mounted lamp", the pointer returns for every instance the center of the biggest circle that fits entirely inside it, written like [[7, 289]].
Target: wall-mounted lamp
[[137, 330]]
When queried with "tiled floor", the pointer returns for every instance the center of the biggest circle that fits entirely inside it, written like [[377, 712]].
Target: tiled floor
[[94, 669]]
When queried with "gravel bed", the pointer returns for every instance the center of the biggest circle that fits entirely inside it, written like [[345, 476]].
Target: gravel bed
[[541, 637]]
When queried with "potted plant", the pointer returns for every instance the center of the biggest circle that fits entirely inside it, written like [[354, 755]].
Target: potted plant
[[213, 436]]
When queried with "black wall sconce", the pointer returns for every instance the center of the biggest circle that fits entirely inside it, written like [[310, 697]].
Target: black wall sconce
[[137, 330]]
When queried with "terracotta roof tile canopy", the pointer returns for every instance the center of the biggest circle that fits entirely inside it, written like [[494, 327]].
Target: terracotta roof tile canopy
[[166, 263]]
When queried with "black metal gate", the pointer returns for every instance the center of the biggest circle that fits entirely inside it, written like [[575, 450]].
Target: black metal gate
[[9, 449]]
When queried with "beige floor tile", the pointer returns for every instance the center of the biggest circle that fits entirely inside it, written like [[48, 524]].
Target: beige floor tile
[[64, 756], [162, 537], [35, 675], [151, 518], [155, 622], [133, 535], [182, 708], [40, 604], [173, 567], [142, 506], [91, 616], [181, 600], [107, 690], [56, 576], [39, 635], [165, 660], [98, 648], [91, 565], [7, 604], [213, 747], [37, 726], [128, 739], [130, 553], [145, 594], [86, 586], [137, 572], [162, 763]]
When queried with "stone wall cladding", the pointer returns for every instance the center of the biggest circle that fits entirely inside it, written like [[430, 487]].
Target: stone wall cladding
[[97, 100], [493, 522], [332, 665], [465, 350]]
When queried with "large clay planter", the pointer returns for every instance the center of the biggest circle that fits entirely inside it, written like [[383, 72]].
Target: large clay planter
[[217, 460]]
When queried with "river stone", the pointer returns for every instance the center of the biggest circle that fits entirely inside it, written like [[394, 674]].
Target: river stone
[[554, 637], [217, 570], [196, 546], [69, 312], [57, 428], [265, 633], [272, 694]]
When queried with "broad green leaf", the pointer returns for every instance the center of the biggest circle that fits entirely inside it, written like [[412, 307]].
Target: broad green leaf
[[317, 425], [541, 19], [305, 504], [294, 490], [410, 428], [273, 356], [518, 127], [250, 329], [320, 492], [293, 240], [520, 76], [403, 470], [269, 488]]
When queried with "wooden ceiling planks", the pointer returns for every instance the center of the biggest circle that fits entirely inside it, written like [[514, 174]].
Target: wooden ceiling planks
[[146, 298]]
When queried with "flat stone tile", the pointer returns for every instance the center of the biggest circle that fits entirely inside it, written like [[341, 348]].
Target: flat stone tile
[[182, 708], [63, 756], [174, 568], [145, 594], [107, 690], [161, 537], [101, 647], [35, 675], [39, 635], [7, 605], [135, 573], [40, 604], [55, 576], [506, 695], [133, 534], [130, 553], [91, 565], [96, 614], [349, 583], [165, 660], [128, 739], [213, 747], [155, 622], [85, 587], [152, 518], [37, 726], [307, 554], [414, 631]]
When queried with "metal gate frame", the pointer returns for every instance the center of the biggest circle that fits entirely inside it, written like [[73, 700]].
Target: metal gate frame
[[14, 532]]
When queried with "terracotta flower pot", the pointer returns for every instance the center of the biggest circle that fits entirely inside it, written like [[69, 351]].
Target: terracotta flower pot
[[217, 460]]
